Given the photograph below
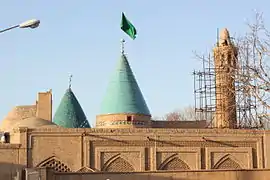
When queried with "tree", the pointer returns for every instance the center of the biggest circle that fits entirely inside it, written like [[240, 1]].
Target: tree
[[254, 54], [184, 114]]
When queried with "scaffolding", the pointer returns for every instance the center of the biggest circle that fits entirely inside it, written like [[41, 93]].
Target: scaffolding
[[205, 95], [204, 92]]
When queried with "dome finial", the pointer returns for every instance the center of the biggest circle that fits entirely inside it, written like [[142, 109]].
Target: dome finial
[[69, 83], [122, 46]]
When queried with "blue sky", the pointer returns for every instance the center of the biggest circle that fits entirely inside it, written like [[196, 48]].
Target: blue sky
[[82, 38]]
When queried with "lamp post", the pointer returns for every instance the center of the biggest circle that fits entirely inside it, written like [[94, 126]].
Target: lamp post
[[33, 23]]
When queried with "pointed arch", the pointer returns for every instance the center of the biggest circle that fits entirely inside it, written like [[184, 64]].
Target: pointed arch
[[117, 164], [114, 157], [54, 163], [85, 170], [174, 163], [227, 162]]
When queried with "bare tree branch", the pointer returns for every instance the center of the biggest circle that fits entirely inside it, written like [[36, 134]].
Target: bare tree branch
[[185, 114]]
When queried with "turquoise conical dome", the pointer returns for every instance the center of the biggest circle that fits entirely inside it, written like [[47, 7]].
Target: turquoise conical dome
[[69, 113], [123, 93]]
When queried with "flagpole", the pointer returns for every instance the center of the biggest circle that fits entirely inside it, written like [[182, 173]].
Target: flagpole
[[123, 46]]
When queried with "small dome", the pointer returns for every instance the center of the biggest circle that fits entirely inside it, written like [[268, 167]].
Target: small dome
[[34, 122], [69, 113]]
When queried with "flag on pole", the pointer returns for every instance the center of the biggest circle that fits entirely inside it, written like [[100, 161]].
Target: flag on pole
[[128, 27]]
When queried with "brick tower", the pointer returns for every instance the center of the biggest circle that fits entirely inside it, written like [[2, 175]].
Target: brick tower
[[225, 59]]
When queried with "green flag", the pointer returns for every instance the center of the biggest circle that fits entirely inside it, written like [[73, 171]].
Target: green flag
[[127, 27]]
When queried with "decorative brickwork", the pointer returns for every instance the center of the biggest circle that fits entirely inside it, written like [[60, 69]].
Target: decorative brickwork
[[119, 165], [57, 165], [175, 164], [176, 143], [225, 55], [228, 164], [85, 170], [125, 120], [113, 123], [180, 132]]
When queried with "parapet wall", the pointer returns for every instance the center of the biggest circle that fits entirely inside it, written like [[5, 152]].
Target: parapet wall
[[180, 124], [172, 175]]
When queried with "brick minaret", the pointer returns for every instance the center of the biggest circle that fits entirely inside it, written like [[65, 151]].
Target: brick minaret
[[225, 55]]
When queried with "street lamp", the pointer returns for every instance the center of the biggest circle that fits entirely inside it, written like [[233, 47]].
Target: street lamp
[[33, 23]]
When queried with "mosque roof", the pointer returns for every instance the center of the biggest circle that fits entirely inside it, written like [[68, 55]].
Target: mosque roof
[[16, 114], [123, 93], [69, 113], [34, 122]]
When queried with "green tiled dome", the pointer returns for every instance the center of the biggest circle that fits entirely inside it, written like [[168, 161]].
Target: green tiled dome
[[69, 113], [123, 93]]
